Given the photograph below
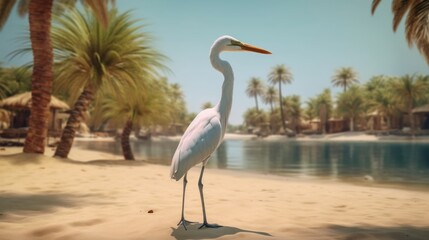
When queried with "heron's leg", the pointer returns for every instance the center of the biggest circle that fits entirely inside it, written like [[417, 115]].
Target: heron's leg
[[200, 186], [183, 221]]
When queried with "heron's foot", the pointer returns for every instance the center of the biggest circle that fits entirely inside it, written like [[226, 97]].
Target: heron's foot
[[207, 225], [184, 222]]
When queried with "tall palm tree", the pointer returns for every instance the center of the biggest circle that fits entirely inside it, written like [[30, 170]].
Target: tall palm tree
[[270, 96], [280, 74], [416, 23], [89, 57], [344, 77], [407, 90], [39, 12], [254, 89], [351, 104]]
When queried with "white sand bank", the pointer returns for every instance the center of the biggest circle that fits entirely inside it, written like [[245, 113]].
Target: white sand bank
[[348, 137]]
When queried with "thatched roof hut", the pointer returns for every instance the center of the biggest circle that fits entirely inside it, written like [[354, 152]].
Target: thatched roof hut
[[23, 101], [421, 109], [20, 104]]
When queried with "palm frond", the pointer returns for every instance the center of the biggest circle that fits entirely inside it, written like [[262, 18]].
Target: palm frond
[[417, 27], [87, 53], [6, 7], [99, 7], [254, 87], [280, 73], [399, 9], [23, 7], [374, 6]]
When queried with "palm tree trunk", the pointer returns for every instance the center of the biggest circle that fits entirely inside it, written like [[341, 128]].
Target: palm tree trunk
[[281, 108], [323, 116], [389, 122], [410, 115], [73, 122], [41, 82], [352, 124], [125, 140], [256, 102]]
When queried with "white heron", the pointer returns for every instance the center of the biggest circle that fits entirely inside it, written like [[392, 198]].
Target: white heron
[[206, 131]]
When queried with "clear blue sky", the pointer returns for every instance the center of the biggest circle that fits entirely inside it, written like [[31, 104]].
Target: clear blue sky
[[311, 37]]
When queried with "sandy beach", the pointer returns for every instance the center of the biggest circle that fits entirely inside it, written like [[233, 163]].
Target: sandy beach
[[95, 195]]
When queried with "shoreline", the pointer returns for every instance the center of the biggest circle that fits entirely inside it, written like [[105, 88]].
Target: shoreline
[[94, 195], [332, 137]]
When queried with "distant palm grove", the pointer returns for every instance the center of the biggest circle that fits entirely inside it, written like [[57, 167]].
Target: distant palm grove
[[382, 103], [102, 63]]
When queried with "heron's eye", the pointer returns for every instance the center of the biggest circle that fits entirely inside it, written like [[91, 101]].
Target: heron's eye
[[235, 43]]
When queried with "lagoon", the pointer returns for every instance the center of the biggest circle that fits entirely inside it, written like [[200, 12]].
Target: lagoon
[[379, 162]]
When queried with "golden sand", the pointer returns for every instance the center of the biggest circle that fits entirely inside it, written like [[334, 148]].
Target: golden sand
[[95, 195]]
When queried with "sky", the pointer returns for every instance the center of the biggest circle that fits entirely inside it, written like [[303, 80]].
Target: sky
[[312, 38]]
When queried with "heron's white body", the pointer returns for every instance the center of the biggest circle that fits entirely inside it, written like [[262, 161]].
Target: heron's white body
[[206, 131]]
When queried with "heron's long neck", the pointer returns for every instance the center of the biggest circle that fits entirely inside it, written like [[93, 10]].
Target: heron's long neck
[[224, 105]]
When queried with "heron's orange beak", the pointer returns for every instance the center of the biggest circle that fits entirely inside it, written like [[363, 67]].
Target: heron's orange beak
[[251, 48]]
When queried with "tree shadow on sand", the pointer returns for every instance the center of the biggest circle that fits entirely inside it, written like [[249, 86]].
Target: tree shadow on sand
[[380, 232], [12, 203], [210, 233]]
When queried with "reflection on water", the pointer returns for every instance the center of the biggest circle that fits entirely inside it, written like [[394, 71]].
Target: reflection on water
[[388, 162]]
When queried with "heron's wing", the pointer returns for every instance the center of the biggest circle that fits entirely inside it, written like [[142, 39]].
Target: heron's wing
[[199, 141]]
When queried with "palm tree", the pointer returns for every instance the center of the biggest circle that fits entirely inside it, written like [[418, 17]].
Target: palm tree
[[310, 110], [423, 80], [176, 97], [253, 117], [90, 57], [275, 120], [206, 105], [4, 90], [278, 75], [176, 92], [254, 89], [133, 109], [120, 111], [407, 90], [380, 99], [324, 108], [270, 96], [344, 77], [293, 106], [15, 79], [416, 24], [4, 86], [351, 104], [39, 12]]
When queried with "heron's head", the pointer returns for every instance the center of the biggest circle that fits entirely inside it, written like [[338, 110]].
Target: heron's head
[[230, 44]]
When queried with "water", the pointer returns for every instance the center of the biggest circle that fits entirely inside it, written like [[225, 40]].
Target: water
[[381, 162]]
